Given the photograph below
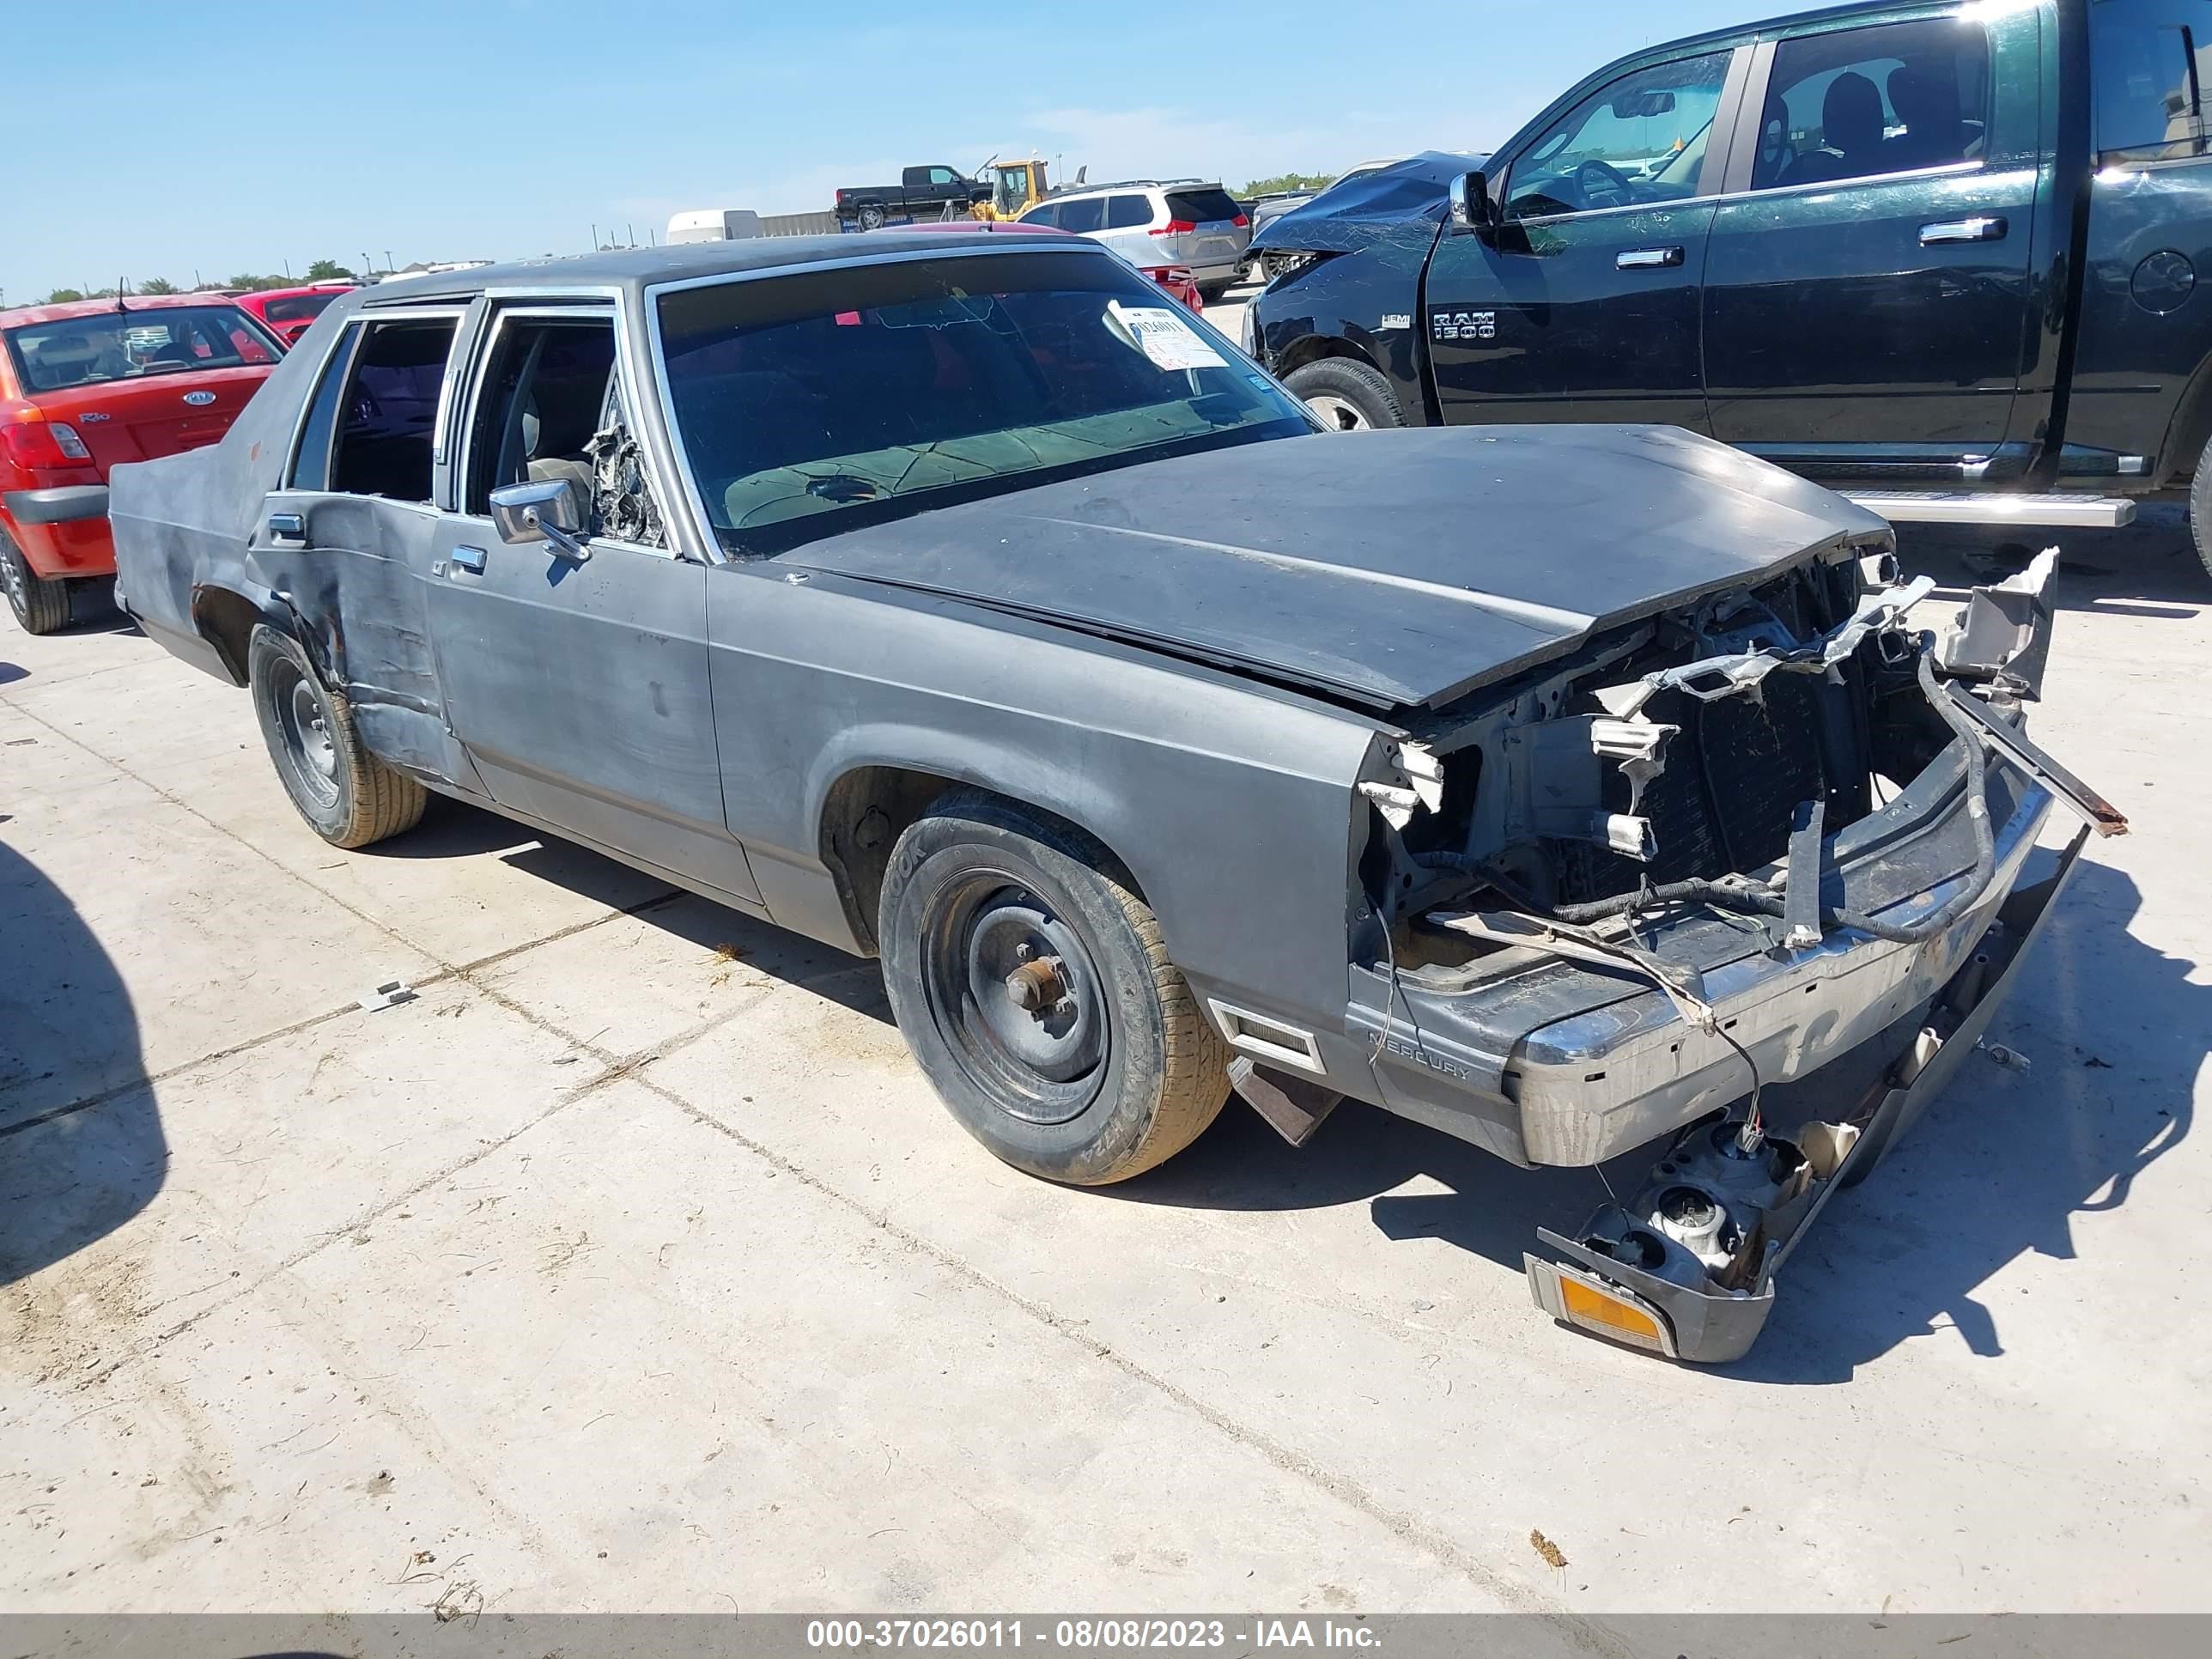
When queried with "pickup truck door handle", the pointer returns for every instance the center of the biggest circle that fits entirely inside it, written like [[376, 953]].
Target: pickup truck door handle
[[1982, 227], [1647, 259]]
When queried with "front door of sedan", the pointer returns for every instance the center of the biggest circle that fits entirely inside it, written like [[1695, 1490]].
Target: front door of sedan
[[579, 687], [1582, 303]]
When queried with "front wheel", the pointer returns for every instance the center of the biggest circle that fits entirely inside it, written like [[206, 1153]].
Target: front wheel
[[1348, 395], [1034, 987], [41, 606], [348, 796], [2200, 509]]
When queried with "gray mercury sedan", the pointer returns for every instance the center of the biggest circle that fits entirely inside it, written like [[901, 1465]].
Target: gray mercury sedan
[[962, 602]]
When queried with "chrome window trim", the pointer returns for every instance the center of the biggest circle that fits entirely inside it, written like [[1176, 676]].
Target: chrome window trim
[[694, 498], [1960, 168], [350, 330]]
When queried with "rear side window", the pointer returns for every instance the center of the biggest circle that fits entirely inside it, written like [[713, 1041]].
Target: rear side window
[[1202, 207], [1085, 213], [1127, 212], [299, 308], [1860, 103], [374, 437], [2147, 66]]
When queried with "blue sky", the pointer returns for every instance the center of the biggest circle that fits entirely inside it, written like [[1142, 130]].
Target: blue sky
[[169, 137]]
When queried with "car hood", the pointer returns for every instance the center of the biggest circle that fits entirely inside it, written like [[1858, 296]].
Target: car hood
[[1390, 569]]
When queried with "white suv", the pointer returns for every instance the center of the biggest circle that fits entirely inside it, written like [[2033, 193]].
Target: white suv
[[1172, 222]]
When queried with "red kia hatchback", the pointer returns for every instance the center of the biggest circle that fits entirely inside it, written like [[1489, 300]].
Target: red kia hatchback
[[85, 385]]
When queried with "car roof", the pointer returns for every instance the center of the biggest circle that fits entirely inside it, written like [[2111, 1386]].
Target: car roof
[[638, 268], [1062, 194], [72, 309]]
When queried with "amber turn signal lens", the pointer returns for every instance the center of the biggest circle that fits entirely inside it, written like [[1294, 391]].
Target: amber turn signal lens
[[1603, 1313]]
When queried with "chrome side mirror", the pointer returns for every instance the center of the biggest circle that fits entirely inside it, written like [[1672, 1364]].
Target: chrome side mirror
[[549, 511], [1471, 206]]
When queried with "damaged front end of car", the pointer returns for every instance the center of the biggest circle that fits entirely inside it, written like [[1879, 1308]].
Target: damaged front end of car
[[1744, 880]]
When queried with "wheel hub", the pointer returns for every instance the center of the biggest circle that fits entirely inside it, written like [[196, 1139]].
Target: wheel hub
[[1337, 413], [314, 735]]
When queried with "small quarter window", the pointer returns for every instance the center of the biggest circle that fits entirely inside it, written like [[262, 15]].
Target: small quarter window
[[311, 467]]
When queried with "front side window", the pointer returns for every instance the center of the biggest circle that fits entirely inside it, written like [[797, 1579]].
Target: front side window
[[387, 418], [940, 175], [814, 403], [138, 345], [1640, 140], [550, 407], [1859, 103], [1085, 213], [2149, 61]]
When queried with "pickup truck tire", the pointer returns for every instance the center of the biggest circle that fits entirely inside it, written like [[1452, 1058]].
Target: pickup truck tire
[[1033, 986], [348, 796], [2200, 509], [40, 606], [872, 217], [1349, 396]]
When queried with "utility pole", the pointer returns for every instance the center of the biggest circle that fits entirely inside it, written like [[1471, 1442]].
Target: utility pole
[[595, 238]]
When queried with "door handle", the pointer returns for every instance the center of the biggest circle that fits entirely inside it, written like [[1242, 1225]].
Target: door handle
[[470, 559], [287, 530], [1981, 227], [1647, 258]]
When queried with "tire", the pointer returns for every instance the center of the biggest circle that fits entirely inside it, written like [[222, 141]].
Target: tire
[[872, 217], [1212, 292], [2200, 509], [348, 796], [41, 606], [1348, 395], [1120, 1073]]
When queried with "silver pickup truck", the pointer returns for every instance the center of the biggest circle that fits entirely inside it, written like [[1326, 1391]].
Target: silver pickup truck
[[964, 603]]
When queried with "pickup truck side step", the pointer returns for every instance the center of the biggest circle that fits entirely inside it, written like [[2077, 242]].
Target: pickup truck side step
[[1972, 507]]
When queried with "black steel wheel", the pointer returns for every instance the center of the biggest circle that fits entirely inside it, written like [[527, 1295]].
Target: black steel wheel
[[1033, 986], [347, 795]]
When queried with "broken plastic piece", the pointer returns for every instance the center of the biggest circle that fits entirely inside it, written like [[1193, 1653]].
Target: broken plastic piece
[[388, 995], [2011, 1058]]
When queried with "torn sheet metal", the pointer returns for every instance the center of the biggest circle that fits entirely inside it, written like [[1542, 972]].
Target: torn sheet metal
[[1738, 672], [1416, 783], [2004, 631]]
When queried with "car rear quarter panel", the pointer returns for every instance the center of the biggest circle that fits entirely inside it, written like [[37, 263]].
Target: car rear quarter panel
[[1231, 804]]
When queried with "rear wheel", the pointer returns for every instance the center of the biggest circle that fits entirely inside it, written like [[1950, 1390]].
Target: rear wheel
[[348, 796], [1348, 395], [872, 217], [40, 606], [1033, 986]]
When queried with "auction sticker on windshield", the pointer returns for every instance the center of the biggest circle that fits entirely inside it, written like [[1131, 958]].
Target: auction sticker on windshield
[[1163, 336]]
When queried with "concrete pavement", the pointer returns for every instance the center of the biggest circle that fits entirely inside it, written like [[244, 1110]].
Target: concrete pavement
[[632, 1265]]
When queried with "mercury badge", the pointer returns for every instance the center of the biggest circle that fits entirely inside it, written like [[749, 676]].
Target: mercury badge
[[199, 399]]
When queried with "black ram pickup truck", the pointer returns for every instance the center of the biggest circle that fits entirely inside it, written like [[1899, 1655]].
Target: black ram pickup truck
[[1940, 256], [921, 193]]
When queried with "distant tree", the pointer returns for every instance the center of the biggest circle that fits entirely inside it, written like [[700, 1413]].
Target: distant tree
[[62, 296], [245, 281], [328, 271], [1289, 181], [157, 285]]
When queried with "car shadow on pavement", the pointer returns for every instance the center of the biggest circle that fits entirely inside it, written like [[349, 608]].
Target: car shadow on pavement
[[1996, 1168], [2148, 568], [74, 1168]]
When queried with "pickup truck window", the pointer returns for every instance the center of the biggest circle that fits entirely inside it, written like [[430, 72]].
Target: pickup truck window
[[2148, 62], [813, 404], [1639, 139], [1859, 103]]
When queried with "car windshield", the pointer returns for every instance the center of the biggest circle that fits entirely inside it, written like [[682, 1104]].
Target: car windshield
[[130, 345], [809, 404]]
